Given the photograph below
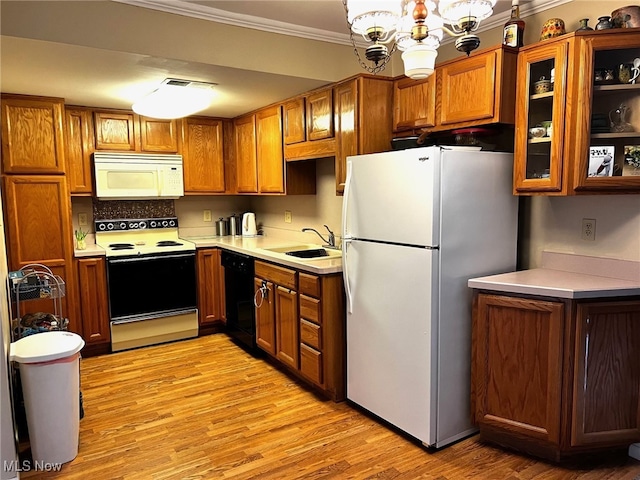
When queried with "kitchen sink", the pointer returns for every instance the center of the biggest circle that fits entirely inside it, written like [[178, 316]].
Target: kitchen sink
[[307, 251]]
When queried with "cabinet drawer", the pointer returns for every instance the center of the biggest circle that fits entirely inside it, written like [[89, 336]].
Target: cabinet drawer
[[309, 284], [310, 309], [311, 363], [310, 334], [278, 275]]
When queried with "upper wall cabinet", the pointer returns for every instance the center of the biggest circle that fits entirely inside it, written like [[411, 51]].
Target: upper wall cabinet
[[258, 150], [269, 150], [308, 126], [414, 103], [203, 155], [126, 131], [477, 90], [79, 143], [581, 133], [32, 135], [363, 119], [463, 92]]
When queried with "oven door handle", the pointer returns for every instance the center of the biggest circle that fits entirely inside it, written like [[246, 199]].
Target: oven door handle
[[146, 257]]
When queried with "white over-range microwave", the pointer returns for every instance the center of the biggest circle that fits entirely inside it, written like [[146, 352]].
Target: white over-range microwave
[[138, 176]]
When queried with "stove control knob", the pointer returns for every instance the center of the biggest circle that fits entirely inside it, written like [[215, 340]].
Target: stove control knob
[[153, 224], [172, 223], [102, 227], [123, 225], [109, 226], [133, 225], [142, 225], [165, 223]]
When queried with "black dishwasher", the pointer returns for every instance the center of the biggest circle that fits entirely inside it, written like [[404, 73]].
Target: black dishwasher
[[238, 287]]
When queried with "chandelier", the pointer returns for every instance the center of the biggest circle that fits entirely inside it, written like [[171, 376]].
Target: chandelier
[[413, 27]]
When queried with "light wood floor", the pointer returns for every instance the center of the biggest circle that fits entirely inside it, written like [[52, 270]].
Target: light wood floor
[[205, 409]]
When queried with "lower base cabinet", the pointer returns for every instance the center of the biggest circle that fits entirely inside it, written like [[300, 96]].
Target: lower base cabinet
[[300, 322], [94, 304], [556, 378], [211, 303]]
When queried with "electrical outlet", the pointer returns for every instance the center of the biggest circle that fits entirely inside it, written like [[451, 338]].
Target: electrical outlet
[[588, 229], [82, 219], [287, 216], [206, 215]]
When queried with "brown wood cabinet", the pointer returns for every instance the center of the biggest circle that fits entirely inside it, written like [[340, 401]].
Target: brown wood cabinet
[[211, 303], [477, 90], [363, 119], [300, 321], [566, 160], [277, 316], [269, 153], [121, 130], [414, 103], [94, 302], [38, 230], [245, 154], [203, 155], [32, 135], [543, 380], [308, 126], [79, 143]]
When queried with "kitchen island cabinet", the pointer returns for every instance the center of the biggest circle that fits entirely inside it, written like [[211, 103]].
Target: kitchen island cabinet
[[556, 377]]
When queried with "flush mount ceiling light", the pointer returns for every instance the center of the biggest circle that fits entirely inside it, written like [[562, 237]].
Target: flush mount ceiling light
[[175, 98], [414, 27]]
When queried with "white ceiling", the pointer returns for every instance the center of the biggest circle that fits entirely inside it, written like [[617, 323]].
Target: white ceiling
[[109, 53]]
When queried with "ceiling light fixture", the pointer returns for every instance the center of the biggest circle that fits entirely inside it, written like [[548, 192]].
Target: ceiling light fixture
[[175, 98], [414, 27]]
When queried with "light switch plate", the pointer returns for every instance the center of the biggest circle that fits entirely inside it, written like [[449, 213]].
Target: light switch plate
[[287, 216]]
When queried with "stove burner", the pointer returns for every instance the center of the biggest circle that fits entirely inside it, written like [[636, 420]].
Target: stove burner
[[168, 243], [121, 246]]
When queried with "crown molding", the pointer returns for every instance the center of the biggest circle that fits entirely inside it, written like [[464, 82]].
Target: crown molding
[[202, 12]]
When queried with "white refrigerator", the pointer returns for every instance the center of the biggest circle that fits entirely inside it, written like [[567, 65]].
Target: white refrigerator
[[417, 224]]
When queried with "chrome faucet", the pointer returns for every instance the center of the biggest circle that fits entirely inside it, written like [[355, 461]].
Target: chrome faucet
[[330, 242]]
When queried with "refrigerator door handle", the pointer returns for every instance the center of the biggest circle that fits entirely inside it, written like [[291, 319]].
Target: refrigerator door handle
[[345, 203], [345, 273]]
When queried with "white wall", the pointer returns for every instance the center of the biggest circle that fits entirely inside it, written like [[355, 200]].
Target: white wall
[[555, 223], [312, 211]]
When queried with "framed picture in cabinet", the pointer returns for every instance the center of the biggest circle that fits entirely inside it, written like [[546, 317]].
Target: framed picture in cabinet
[[601, 161], [631, 160]]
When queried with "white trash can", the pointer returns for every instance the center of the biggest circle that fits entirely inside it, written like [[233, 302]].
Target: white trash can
[[50, 376]]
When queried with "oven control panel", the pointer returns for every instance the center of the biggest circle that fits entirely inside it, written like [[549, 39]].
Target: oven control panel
[[135, 224]]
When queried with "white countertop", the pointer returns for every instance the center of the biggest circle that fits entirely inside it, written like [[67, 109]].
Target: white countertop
[[252, 246], [570, 277]]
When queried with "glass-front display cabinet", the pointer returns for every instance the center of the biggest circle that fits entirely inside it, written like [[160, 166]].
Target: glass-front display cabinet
[[578, 114], [540, 117], [608, 112]]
